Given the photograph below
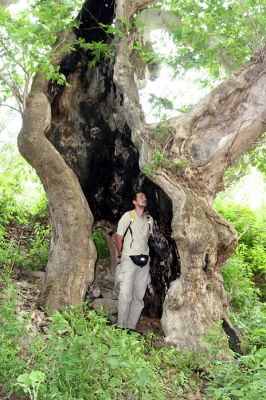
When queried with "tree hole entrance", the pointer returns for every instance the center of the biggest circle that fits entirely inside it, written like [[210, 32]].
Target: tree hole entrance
[[113, 179], [102, 293]]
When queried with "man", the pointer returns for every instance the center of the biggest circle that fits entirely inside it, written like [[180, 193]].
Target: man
[[133, 231]]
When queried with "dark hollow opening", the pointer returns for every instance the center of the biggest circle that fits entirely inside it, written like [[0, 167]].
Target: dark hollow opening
[[110, 192], [92, 135]]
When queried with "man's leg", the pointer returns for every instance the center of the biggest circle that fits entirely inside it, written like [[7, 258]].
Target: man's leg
[[128, 271], [139, 289]]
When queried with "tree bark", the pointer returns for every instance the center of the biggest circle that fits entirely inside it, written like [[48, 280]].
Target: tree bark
[[208, 140], [97, 137], [72, 254]]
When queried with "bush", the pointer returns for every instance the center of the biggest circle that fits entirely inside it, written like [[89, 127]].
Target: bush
[[23, 238], [12, 328], [34, 252], [238, 280], [251, 250], [100, 243], [241, 379], [81, 357]]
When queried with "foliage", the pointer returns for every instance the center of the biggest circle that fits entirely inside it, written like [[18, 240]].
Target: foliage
[[88, 350], [160, 104], [30, 383], [33, 254], [243, 378], [112, 30], [157, 162], [100, 243], [244, 274], [17, 179], [97, 50], [12, 329], [238, 281], [27, 247], [229, 376], [178, 163], [11, 185], [146, 52], [82, 357], [26, 43], [252, 237], [218, 36], [20, 187], [161, 131]]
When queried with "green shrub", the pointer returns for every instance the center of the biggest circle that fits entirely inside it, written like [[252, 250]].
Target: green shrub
[[238, 280], [84, 358], [157, 162], [251, 320], [251, 250], [81, 357], [19, 212], [33, 257], [100, 243], [238, 379], [12, 328]]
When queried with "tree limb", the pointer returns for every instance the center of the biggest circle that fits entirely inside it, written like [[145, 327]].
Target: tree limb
[[224, 124], [12, 108], [133, 6], [13, 89]]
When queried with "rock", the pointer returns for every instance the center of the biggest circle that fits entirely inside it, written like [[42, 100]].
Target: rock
[[24, 285], [109, 294], [36, 276], [96, 292], [109, 304]]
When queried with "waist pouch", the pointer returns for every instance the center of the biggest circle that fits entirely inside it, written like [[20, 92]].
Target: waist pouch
[[140, 260]]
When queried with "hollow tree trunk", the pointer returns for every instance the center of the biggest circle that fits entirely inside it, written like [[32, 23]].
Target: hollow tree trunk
[[97, 138]]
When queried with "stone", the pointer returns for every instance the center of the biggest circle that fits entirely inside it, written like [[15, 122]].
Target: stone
[[109, 304]]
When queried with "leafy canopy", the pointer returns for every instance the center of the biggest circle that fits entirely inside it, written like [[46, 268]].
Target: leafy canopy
[[26, 45], [217, 35]]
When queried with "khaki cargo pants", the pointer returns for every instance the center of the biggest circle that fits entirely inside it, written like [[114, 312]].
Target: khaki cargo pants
[[133, 281]]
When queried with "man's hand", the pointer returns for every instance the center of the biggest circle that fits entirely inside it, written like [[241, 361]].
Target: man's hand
[[119, 243]]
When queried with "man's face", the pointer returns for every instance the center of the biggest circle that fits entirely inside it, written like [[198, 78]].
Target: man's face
[[141, 200]]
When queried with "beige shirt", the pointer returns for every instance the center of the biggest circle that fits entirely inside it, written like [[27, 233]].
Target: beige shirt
[[138, 244]]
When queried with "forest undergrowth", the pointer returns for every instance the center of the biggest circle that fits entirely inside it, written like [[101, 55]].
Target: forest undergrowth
[[78, 355]]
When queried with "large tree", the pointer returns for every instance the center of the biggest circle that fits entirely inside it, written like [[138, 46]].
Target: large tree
[[89, 144]]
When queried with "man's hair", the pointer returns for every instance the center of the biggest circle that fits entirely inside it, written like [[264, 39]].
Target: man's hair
[[136, 193]]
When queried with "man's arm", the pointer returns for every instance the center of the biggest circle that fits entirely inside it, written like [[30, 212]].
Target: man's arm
[[119, 242], [121, 231]]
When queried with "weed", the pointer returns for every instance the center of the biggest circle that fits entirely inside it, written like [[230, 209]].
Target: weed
[[156, 163]]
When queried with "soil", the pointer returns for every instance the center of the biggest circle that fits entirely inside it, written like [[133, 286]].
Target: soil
[[10, 397]]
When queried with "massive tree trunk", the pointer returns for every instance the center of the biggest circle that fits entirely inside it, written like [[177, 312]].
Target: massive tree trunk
[[95, 145], [72, 252]]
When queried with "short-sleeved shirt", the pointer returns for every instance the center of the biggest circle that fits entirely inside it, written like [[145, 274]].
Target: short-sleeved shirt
[[138, 242]]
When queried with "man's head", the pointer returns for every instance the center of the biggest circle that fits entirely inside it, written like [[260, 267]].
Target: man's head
[[140, 200]]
